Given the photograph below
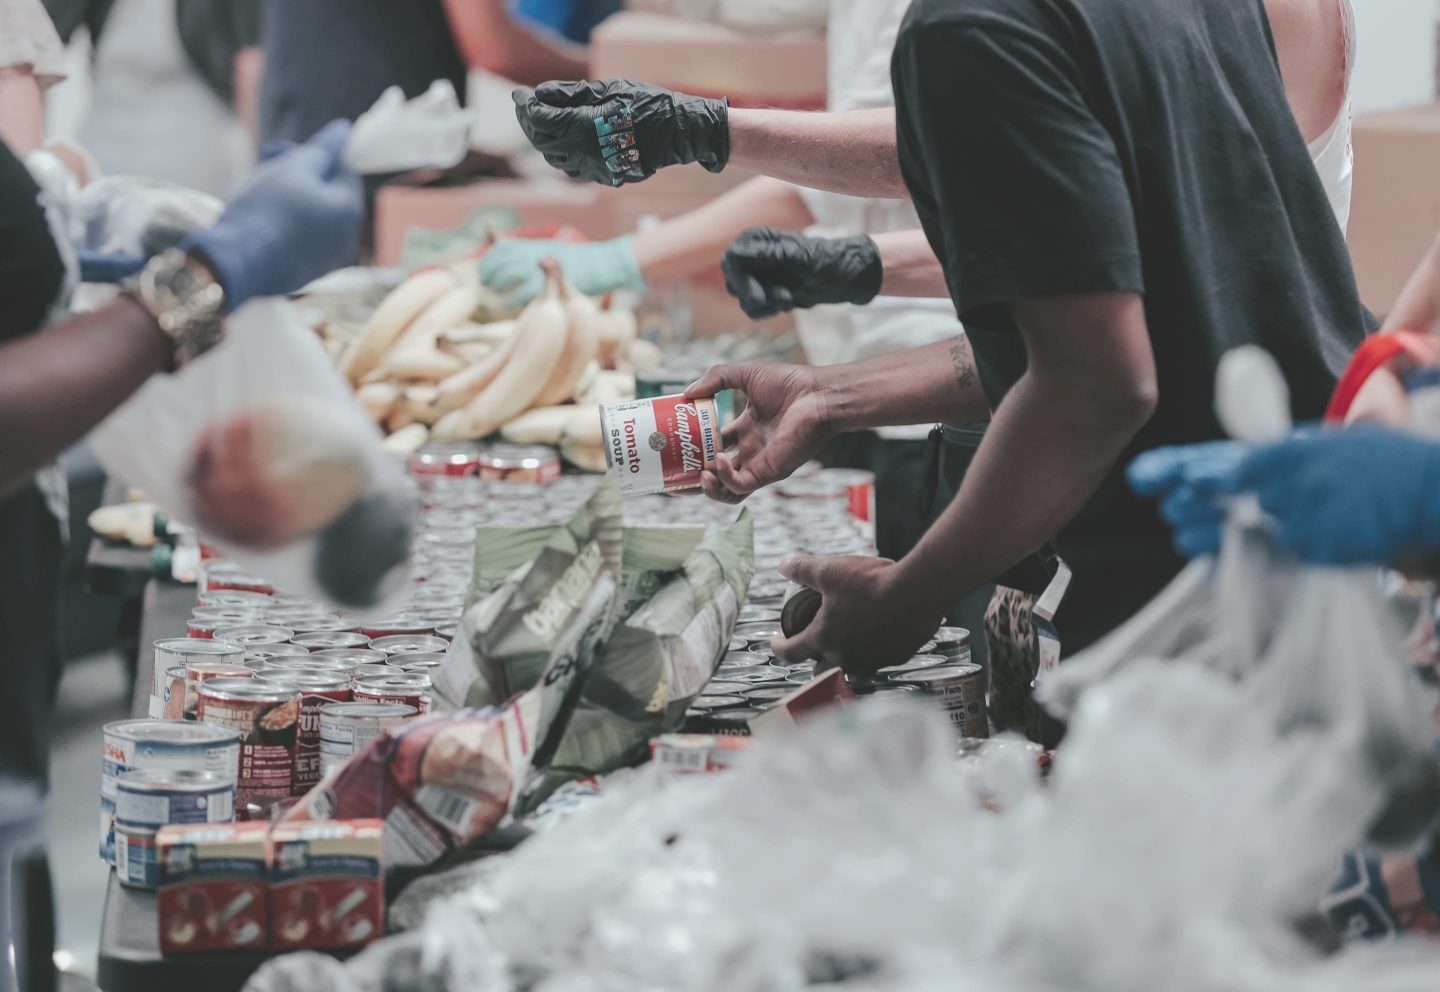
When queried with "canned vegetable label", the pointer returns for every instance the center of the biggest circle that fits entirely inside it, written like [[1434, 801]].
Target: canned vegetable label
[[346, 728], [267, 715], [660, 445], [317, 690]]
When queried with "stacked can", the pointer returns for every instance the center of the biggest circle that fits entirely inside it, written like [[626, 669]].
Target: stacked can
[[267, 718], [151, 798], [179, 652]]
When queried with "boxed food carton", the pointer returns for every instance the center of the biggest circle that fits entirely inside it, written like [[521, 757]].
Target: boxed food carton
[[327, 886], [212, 887]]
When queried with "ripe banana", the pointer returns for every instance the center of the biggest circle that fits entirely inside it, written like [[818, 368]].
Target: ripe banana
[[391, 319]]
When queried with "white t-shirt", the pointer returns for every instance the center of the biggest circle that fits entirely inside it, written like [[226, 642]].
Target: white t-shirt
[[860, 41]]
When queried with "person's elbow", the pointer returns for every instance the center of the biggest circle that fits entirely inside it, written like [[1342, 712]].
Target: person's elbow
[[1130, 401]]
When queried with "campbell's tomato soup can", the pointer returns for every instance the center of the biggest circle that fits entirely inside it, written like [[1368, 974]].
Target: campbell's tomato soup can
[[400, 625], [531, 463], [317, 690], [254, 634], [267, 715], [323, 625], [406, 644], [355, 656], [455, 460], [410, 688], [661, 445]]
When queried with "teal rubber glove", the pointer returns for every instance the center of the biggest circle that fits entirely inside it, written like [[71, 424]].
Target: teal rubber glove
[[297, 218], [600, 267], [1367, 495], [1193, 483]]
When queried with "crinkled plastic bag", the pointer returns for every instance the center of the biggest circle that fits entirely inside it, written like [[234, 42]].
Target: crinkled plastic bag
[[271, 362]]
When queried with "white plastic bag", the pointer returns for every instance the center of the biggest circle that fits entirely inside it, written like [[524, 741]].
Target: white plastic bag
[[430, 131], [270, 360]]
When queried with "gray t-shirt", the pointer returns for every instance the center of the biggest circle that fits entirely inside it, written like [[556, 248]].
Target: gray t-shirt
[[333, 58]]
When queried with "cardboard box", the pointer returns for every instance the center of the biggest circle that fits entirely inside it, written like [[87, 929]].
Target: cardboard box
[[327, 888], [784, 69], [1396, 209], [212, 887]]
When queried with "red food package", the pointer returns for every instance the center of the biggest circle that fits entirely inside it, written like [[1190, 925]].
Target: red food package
[[212, 887], [326, 885]]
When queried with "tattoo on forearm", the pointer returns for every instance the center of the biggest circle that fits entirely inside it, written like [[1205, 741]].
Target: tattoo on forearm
[[960, 361]]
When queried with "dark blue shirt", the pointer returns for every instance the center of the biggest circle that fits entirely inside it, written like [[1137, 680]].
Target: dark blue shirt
[[333, 58]]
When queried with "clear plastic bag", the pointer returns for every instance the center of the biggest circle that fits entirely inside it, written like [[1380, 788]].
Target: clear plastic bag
[[271, 362]]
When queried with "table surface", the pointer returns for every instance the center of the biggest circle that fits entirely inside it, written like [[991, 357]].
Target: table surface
[[130, 959]]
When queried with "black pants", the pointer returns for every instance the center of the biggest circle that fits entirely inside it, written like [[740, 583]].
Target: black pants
[[30, 559]]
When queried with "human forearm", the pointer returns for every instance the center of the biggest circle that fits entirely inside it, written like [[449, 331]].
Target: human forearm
[[1418, 306], [22, 110], [851, 153], [1089, 389], [697, 240], [58, 384], [911, 268], [934, 384], [491, 39]]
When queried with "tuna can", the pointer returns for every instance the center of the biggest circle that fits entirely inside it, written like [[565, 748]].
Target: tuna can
[[171, 652], [356, 656], [799, 610], [346, 728], [410, 688], [173, 698], [317, 690], [267, 715], [235, 597], [330, 640], [163, 744], [313, 665], [254, 634], [410, 644], [660, 445], [953, 643], [960, 690], [137, 865], [452, 460], [157, 797], [533, 463]]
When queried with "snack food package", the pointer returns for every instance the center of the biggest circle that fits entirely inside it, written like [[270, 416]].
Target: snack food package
[[353, 505], [656, 661], [445, 781], [508, 637], [326, 885]]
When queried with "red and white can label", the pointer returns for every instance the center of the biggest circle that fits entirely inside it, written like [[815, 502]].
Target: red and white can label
[[661, 445]]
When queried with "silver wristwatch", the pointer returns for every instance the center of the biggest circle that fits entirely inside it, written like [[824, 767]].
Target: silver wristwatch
[[186, 301]]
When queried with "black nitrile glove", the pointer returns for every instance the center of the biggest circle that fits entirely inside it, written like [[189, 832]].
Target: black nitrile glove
[[618, 131], [772, 271]]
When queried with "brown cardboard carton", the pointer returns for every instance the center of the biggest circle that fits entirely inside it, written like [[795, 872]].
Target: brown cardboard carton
[[1396, 210], [784, 69]]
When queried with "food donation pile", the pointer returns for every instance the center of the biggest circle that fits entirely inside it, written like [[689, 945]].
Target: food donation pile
[[556, 632]]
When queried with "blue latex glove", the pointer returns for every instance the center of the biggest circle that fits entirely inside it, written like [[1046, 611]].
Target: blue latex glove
[[108, 267], [1357, 496], [513, 267], [297, 218], [1192, 483]]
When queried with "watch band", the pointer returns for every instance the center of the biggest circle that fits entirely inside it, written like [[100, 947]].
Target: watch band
[[187, 302]]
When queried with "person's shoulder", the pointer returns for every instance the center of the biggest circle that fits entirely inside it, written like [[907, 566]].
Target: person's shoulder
[[963, 13]]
